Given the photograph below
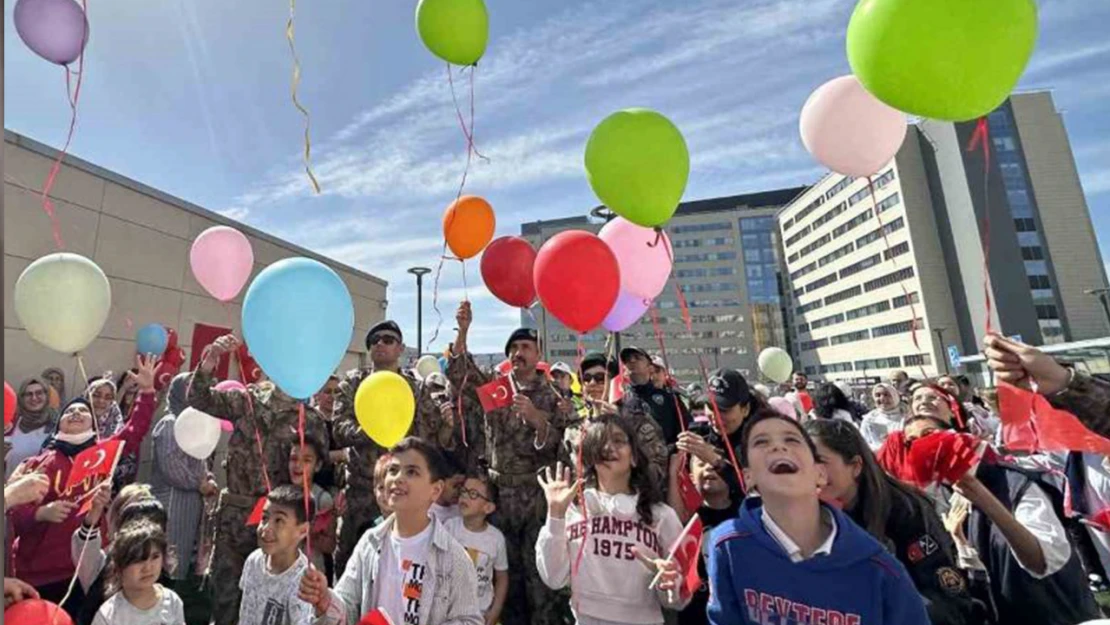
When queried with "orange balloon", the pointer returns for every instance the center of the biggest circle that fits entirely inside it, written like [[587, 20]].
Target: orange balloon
[[468, 226]]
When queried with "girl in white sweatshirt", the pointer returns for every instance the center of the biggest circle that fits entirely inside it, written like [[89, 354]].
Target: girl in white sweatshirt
[[611, 554]]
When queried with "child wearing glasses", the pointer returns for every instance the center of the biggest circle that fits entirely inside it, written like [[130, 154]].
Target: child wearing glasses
[[484, 543]]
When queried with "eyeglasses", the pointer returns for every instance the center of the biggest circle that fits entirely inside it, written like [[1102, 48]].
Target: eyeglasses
[[470, 493], [34, 394], [384, 338], [597, 377]]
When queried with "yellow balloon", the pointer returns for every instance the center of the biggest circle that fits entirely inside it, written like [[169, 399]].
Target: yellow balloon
[[384, 405], [63, 301]]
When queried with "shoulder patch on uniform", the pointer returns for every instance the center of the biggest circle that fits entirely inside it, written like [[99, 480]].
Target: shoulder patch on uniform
[[951, 581], [922, 548], [658, 399]]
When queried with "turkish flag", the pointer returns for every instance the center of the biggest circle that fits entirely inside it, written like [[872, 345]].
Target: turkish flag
[[203, 336], [686, 551], [96, 461], [944, 457], [496, 394], [1030, 423], [616, 388], [256, 514], [376, 616], [691, 498]]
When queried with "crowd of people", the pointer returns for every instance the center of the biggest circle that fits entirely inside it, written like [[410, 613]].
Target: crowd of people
[[571, 501]]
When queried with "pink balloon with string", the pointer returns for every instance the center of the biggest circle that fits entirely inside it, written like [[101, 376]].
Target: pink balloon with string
[[222, 260], [849, 130], [643, 254]]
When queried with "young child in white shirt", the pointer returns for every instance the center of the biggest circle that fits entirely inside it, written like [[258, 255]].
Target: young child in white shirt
[[135, 565], [484, 543], [273, 572]]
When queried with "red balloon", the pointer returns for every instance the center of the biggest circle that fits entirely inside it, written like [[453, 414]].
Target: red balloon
[[577, 279], [507, 270], [36, 612], [9, 404]]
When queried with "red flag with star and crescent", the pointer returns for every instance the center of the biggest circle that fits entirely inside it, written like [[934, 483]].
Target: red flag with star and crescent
[[96, 461], [496, 394], [687, 550]]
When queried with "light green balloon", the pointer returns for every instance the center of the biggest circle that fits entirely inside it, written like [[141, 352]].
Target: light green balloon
[[776, 364], [954, 60], [637, 164], [454, 30], [63, 301]]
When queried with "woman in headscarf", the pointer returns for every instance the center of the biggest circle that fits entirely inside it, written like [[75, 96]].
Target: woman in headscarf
[[43, 531], [102, 399], [34, 423], [887, 417], [55, 378], [128, 470], [179, 480]]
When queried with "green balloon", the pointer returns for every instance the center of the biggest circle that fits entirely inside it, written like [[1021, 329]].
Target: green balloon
[[454, 30], [954, 60], [637, 164]]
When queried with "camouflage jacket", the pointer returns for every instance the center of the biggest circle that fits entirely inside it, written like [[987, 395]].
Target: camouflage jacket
[[510, 443], [267, 412], [1088, 398], [649, 437], [428, 423]]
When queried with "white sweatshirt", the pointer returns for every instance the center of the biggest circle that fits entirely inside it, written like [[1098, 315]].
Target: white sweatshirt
[[610, 584]]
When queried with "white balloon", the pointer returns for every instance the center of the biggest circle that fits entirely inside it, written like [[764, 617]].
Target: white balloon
[[63, 301], [426, 366], [776, 364], [197, 433]]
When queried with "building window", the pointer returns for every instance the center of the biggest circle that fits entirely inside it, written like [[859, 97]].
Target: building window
[[817, 324], [843, 295], [889, 279], [1039, 282], [816, 244], [812, 206], [720, 241], [878, 363], [1032, 253], [859, 266], [724, 225], [709, 287], [757, 223], [793, 257], [808, 346], [829, 214], [894, 328], [811, 370], [804, 308], [1047, 311], [865, 311], [797, 236], [914, 360], [803, 328], [889, 202], [840, 186], [705, 257], [853, 222], [903, 300], [835, 254], [686, 243], [704, 272], [877, 233], [836, 367], [897, 250], [820, 282], [850, 337], [794, 275]]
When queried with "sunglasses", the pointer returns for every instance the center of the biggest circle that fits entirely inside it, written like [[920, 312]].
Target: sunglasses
[[597, 377], [387, 339], [470, 493]]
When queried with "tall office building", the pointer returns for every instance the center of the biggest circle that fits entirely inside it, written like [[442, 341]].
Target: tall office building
[[727, 260], [896, 280]]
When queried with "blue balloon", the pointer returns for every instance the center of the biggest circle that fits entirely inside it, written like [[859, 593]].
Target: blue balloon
[[443, 364], [151, 339], [297, 320]]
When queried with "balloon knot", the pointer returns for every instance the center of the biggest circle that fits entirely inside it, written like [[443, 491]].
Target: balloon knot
[[658, 237]]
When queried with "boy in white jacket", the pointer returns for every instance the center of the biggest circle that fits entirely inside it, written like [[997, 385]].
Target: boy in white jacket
[[610, 554]]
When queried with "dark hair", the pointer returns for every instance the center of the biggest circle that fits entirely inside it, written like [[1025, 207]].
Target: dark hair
[[828, 399], [876, 488], [437, 466], [594, 439], [149, 510], [801, 373], [315, 443], [765, 414], [454, 465], [134, 543], [292, 497], [491, 489]]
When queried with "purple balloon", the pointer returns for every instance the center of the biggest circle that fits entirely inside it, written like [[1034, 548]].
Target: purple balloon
[[56, 30], [626, 311]]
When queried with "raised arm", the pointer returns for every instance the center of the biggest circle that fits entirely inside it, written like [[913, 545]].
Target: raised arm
[[228, 405]]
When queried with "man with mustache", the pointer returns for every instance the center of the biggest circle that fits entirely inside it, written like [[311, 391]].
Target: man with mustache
[[520, 440]]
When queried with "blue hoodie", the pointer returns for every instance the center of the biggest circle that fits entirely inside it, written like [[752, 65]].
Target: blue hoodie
[[752, 580]]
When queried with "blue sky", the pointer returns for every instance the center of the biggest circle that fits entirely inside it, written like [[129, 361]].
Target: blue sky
[[192, 97]]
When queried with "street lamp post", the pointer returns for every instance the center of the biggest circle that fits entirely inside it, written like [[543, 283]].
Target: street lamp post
[[943, 352], [419, 272], [603, 212], [1101, 294]]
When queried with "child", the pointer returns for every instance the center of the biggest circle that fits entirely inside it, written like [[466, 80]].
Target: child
[[485, 544], [409, 567], [447, 506], [791, 558], [309, 462], [136, 564], [271, 574], [380, 496], [626, 520]]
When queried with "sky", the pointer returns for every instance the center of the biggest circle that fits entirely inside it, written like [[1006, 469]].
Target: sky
[[192, 97]]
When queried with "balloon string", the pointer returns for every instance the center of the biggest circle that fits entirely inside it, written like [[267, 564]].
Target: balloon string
[[73, 98], [262, 458], [666, 364], [87, 393], [982, 135], [894, 263], [295, 83], [435, 300], [304, 482], [579, 467]]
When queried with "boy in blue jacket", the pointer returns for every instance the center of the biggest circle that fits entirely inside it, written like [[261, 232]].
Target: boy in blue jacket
[[790, 559]]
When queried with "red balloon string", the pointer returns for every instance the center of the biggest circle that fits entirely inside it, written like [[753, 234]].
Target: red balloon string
[[262, 458], [304, 482], [666, 364], [72, 97], [579, 473], [982, 136]]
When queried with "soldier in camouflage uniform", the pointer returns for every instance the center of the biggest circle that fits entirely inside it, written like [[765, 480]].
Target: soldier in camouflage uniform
[[521, 439], [432, 422], [265, 413], [594, 372]]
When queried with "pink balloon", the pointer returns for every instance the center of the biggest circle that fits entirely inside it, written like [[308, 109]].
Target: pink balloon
[[56, 30], [226, 426], [784, 407], [626, 311], [849, 130], [231, 385], [643, 255], [222, 260]]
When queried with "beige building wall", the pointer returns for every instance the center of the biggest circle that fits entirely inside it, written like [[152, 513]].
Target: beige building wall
[[1065, 217]]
